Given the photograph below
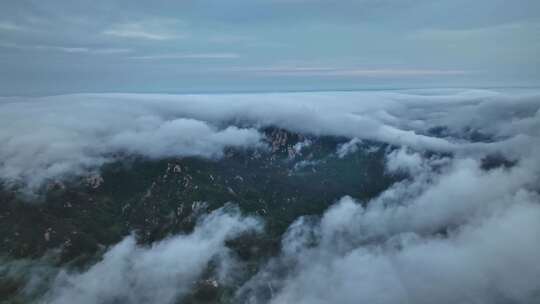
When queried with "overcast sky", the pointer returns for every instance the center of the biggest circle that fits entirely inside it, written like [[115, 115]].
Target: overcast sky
[[54, 47]]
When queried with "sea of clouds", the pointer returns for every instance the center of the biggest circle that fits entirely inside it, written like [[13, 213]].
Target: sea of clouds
[[451, 233], [55, 137]]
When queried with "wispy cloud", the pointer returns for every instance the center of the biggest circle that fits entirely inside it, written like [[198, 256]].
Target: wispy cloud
[[155, 29], [188, 56], [111, 51], [62, 49], [230, 39], [351, 72], [66, 49], [8, 26], [475, 33]]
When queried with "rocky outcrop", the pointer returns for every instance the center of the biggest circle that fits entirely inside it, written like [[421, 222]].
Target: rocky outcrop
[[94, 181]]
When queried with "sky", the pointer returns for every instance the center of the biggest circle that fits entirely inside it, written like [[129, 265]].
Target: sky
[[57, 47]]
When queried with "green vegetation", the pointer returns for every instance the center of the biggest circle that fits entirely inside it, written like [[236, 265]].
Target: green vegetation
[[158, 198]]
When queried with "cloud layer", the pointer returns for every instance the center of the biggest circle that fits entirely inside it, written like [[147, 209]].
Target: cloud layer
[[53, 137], [451, 232]]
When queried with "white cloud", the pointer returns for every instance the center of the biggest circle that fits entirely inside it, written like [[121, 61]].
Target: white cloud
[[67, 49], [55, 136], [111, 50], [455, 234], [130, 273], [348, 147], [346, 72], [188, 56], [460, 235], [152, 29], [51, 138], [404, 160], [478, 33]]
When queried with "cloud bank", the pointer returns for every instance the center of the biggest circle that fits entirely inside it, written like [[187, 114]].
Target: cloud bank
[[452, 232], [53, 137], [66, 136]]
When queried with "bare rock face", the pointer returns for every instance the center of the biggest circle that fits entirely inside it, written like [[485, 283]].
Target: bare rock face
[[286, 143], [279, 140], [172, 168], [199, 207], [94, 181]]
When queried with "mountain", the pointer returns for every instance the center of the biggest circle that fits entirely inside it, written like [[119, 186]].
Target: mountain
[[294, 175]]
